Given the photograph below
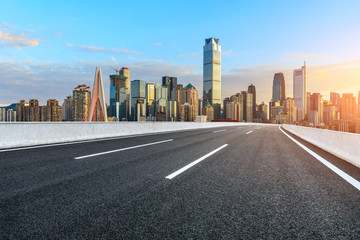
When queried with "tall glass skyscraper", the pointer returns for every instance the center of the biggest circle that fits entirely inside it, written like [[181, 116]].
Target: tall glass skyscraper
[[212, 75], [138, 92], [278, 88], [252, 90], [300, 92]]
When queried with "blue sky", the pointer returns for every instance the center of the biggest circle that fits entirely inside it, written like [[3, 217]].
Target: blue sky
[[49, 47]]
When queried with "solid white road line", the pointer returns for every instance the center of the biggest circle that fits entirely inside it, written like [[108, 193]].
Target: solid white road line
[[174, 174], [249, 132], [222, 130], [339, 172], [123, 149]]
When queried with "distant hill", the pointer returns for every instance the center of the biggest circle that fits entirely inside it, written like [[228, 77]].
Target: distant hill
[[11, 106]]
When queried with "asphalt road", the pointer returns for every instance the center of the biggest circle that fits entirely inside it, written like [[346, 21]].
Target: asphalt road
[[261, 185]]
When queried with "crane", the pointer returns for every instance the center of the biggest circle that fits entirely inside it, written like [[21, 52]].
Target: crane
[[117, 71]]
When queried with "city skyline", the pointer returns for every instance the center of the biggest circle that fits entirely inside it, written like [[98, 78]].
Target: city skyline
[[51, 57]]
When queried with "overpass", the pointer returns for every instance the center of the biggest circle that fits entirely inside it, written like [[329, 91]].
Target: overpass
[[229, 181]]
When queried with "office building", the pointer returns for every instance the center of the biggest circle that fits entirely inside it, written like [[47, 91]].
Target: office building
[[330, 113], [150, 100], [262, 112], [67, 108], [278, 93], [125, 72], [81, 100], [138, 91], [161, 96], [290, 109], [317, 104], [190, 96], [118, 98], [247, 106], [171, 111], [10, 115], [308, 98], [299, 90], [252, 90], [212, 75], [348, 107], [2, 114], [170, 83]]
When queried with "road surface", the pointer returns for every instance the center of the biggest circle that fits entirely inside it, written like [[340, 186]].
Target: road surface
[[242, 182]]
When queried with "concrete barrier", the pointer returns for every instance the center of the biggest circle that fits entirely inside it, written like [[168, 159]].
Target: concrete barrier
[[16, 134], [341, 144]]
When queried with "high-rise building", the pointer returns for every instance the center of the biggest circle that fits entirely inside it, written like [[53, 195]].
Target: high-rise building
[[170, 83], [247, 106], [262, 112], [118, 98], [67, 108], [252, 90], [161, 96], [81, 103], [278, 88], [150, 100], [176, 96], [2, 114], [330, 111], [307, 109], [348, 107], [300, 92], [290, 110], [317, 104], [190, 96], [55, 110], [10, 115], [171, 111], [212, 75], [126, 73], [98, 107], [138, 91], [335, 98]]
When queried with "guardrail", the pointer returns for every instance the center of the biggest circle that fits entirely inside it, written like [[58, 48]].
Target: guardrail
[[16, 134], [341, 144]]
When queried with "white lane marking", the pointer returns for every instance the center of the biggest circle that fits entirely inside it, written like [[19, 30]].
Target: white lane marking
[[174, 174], [249, 132], [123, 149], [222, 130], [339, 172]]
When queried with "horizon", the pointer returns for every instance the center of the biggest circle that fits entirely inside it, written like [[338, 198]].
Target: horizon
[[45, 53]]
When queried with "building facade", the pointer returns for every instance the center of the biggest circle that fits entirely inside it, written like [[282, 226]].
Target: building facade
[[299, 90], [212, 75], [278, 93]]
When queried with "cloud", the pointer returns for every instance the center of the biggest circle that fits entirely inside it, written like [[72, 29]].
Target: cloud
[[195, 55], [226, 53], [16, 39], [101, 49], [305, 56], [158, 44]]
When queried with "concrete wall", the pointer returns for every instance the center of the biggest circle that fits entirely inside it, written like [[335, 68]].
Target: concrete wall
[[18, 134], [341, 144]]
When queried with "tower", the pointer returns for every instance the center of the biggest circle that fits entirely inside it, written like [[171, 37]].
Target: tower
[[212, 75], [98, 107], [252, 90], [300, 92], [278, 88]]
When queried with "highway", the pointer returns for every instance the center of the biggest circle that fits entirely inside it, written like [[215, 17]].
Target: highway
[[246, 182]]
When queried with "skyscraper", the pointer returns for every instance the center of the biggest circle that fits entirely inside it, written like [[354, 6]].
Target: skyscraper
[[98, 106], [170, 83], [252, 90], [300, 92], [137, 93], [247, 106], [212, 75], [278, 88], [150, 100], [126, 73], [118, 97], [81, 103], [67, 109]]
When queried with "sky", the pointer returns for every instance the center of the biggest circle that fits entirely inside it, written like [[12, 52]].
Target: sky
[[49, 47]]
